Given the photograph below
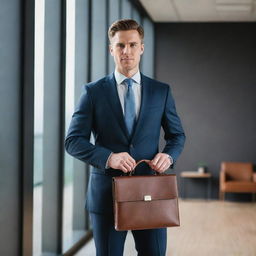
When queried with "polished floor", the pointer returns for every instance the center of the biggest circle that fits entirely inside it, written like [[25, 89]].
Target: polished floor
[[208, 228]]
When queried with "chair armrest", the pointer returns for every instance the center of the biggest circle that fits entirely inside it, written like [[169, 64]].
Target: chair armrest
[[254, 177], [222, 176], [222, 179]]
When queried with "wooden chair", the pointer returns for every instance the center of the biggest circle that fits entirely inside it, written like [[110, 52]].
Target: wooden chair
[[237, 177]]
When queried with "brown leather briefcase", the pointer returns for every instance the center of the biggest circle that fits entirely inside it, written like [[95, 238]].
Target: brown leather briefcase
[[145, 202]]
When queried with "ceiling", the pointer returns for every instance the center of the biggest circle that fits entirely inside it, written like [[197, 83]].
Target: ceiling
[[201, 10]]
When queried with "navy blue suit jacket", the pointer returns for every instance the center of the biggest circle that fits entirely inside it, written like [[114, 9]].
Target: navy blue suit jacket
[[99, 111]]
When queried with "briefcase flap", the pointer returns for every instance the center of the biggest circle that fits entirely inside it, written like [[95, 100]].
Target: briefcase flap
[[145, 188]]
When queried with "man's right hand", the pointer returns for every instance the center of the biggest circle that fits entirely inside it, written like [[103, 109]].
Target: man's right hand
[[122, 161]]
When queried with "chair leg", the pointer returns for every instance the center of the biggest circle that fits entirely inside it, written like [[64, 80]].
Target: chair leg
[[222, 195], [253, 197]]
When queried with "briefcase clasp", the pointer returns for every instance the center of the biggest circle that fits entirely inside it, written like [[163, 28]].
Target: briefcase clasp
[[147, 198]]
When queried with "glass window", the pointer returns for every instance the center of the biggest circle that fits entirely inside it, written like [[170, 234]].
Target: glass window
[[99, 39], [114, 8], [147, 65], [38, 126], [136, 15], [80, 60], [75, 172], [126, 9], [80, 174], [69, 108]]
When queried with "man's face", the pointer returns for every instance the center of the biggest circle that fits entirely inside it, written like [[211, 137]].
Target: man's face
[[126, 48]]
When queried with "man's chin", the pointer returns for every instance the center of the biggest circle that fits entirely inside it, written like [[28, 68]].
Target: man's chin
[[128, 67]]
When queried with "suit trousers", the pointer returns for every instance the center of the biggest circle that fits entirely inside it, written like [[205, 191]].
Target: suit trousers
[[109, 242]]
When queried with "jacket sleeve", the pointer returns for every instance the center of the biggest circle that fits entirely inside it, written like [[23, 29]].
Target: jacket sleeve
[[173, 132], [77, 142]]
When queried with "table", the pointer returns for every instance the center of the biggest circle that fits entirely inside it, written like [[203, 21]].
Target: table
[[197, 175]]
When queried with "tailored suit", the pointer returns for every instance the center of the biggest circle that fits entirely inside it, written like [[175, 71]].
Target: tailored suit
[[99, 111]]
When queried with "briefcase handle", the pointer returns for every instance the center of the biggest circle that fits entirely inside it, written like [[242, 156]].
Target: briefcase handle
[[139, 162]]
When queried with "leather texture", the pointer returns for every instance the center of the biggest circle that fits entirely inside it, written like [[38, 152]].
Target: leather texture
[[132, 212], [237, 171], [242, 186], [254, 177], [237, 177]]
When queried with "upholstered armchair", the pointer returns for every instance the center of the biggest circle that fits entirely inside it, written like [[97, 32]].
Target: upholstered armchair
[[237, 177]]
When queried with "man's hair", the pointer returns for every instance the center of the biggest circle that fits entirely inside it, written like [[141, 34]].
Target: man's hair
[[125, 24]]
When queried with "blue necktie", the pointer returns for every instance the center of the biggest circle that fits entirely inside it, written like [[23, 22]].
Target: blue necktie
[[129, 106]]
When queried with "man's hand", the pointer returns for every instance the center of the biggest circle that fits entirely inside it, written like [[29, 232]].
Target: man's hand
[[122, 161], [160, 163]]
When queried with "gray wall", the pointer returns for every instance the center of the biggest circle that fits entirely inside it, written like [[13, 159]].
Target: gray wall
[[212, 71]]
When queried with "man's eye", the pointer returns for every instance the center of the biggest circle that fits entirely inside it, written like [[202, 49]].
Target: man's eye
[[133, 45], [120, 45]]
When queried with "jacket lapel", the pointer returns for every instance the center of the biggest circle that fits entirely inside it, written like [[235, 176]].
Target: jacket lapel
[[113, 100], [145, 97]]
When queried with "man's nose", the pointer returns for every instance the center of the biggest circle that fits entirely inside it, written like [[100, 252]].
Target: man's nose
[[127, 49]]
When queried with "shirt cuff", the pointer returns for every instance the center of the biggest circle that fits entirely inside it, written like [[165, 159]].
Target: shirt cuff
[[107, 167], [171, 159]]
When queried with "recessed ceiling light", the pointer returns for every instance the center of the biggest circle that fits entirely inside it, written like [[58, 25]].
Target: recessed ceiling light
[[239, 2], [234, 8]]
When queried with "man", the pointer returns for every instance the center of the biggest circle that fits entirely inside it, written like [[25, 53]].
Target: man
[[125, 112]]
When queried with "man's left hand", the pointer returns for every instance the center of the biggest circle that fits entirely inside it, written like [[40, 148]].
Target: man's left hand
[[160, 163]]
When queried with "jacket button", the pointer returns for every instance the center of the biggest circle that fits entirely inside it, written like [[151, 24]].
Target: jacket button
[[131, 146]]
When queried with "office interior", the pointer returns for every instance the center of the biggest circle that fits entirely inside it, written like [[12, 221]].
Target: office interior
[[204, 49]]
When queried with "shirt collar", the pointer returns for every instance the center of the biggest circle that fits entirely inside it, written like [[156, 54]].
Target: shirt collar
[[120, 77]]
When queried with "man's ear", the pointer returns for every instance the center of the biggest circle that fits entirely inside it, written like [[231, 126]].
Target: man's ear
[[142, 49], [110, 49]]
